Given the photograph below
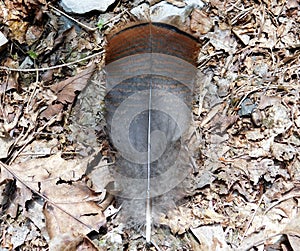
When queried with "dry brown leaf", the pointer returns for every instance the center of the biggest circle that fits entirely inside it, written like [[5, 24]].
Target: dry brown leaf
[[51, 111], [209, 216], [278, 120], [210, 116], [241, 35], [294, 241], [51, 170], [75, 209], [33, 33], [66, 89], [222, 40], [5, 144], [11, 83], [76, 201], [284, 192], [283, 151], [255, 134], [21, 196], [57, 42], [266, 101], [100, 177], [18, 30], [18, 236], [177, 3], [200, 22], [262, 148], [178, 220], [218, 4], [221, 123], [292, 230], [71, 242], [87, 244], [34, 212], [211, 238], [268, 38], [13, 194]]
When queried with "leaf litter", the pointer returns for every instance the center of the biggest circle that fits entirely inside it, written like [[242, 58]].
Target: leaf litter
[[246, 165]]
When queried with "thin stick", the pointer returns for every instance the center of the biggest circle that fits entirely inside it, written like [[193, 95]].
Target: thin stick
[[252, 218], [73, 19], [43, 196], [84, 25], [51, 67], [115, 17], [287, 197]]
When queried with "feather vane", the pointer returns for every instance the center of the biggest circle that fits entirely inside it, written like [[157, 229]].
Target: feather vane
[[150, 70]]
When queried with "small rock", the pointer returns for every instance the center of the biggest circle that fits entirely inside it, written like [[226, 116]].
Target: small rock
[[247, 107], [261, 69], [257, 117], [166, 12], [81, 7], [141, 11], [205, 179], [223, 86], [3, 41], [27, 63]]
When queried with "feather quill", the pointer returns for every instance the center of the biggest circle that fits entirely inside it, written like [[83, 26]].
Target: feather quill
[[150, 71]]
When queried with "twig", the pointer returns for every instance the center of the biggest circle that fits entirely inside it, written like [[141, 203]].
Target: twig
[[148, 245], [289, 68], [51, 67], [43, 196], [84, 25], [73, 19], [258, 242], [155, 245], [252, 217], [28, 138], [115, 17], [203, 60], [33, 92], [247, 94], [241, 14], [287, 197]]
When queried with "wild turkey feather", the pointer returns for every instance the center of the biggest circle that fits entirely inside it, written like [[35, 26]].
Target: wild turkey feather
[[150, 73]]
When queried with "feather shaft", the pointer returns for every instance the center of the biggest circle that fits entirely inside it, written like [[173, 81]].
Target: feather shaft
[[148, 199]]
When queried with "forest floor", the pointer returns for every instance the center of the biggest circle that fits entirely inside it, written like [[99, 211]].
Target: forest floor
[[55, 154]]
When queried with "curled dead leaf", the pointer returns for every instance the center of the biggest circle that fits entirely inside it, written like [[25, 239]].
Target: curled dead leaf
[[51, 111], [200, 22], [33, 33], [66, 89], [69, 241], [177, 3], [72, 212]]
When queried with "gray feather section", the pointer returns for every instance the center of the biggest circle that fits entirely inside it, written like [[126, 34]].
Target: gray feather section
[[132, 82]]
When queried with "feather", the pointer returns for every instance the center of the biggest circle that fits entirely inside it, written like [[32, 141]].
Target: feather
[[150, 72]]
